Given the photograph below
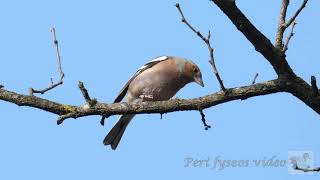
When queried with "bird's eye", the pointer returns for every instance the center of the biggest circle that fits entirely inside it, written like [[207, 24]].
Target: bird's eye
[[195, 70]]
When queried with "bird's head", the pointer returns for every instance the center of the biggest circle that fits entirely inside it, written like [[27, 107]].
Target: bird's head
[[193, 73]]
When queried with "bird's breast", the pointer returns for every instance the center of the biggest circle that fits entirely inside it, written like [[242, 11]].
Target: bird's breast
[[156, 85]]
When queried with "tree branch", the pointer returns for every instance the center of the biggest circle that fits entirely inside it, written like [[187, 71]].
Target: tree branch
[[71, 111], [285, 48], [207, 42], [90, 102], [255, 78], [60, 82], [261, 43], [287, 80], [296, 14], [314, 86], [203, 119], [296, 85], [282, 23]]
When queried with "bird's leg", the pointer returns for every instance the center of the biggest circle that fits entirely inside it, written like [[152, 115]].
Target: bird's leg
[[102, 121]]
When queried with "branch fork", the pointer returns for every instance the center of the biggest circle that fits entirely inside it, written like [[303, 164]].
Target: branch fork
[[89, 102], [75, 112], [283, 24], [60, 82]]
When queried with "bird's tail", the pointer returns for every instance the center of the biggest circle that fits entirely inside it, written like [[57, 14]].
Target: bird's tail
[[114, 136]]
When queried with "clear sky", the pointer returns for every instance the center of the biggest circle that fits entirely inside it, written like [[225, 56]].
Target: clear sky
[[102, 44]]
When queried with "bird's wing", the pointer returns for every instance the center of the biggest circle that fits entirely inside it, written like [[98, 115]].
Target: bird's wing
[[148, 65]]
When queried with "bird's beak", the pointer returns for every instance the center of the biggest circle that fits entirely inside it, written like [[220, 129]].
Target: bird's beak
[[199, 81]]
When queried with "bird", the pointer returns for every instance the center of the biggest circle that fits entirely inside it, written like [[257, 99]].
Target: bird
[[158, 80]]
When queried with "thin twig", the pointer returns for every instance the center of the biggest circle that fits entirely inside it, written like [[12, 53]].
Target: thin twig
[[84, 91], [66, 116], [285, 47], [314, 85], [53, 30], [283, 25], [89, 102], [207, 41], [255, 78], [295, 15], [60, 82], [203, 119]]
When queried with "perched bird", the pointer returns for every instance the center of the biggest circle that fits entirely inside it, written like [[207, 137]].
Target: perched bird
[[158, 80]]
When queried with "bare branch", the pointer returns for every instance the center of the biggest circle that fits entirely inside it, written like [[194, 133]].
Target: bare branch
[[282, 23], [296, 85], [60, 82], [260, 42], [255, 78], [207, 42], [285, 48], [203, 119], [90, 102], [295, 15], [71, 111], [84, 92], [53, 30]]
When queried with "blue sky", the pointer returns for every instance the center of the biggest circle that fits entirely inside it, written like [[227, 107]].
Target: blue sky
[[102, 44]]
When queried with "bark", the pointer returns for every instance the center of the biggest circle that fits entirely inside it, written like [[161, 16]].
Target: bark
[[72, 111]]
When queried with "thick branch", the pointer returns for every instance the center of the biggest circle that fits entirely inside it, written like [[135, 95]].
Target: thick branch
[[261, 43], [303, 91], [297, 86], [70, 111], [36, 102]]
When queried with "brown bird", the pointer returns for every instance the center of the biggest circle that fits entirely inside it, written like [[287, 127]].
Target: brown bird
[[158, 80]]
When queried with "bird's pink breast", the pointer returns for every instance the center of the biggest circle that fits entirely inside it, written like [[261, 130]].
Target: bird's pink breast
[[161, 82]]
